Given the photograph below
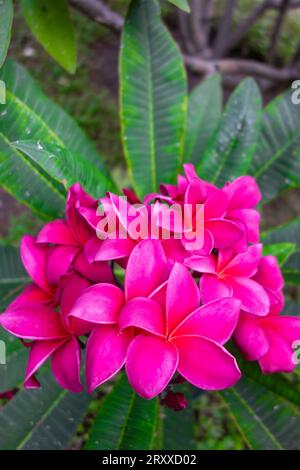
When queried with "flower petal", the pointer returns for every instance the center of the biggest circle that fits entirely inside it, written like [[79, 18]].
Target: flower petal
[[244, 193], [31, 294], [146, 269], [269, 273], [40, 351], [33, 321], [66, 362], [100, 304], [72, 287], [206, 364], [252, 295], [211, 288], [105, 354], [244, 264], [34, 258], [195, 193], [183, 296], [59, 261], [251, 338], [190, 243], [286, 326], [56, 232], [201, 264], [224, 232], [143, 313], [215, 320], [280, 356], [160, 294], [151, 362], [76, 199], [174, 250], [98, 271], [108, 249], [250, 218], [216, 205]]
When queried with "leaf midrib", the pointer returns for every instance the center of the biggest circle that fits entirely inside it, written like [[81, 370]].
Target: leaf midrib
[[277, 155], [43, 417], [257, 418], [150, 97]]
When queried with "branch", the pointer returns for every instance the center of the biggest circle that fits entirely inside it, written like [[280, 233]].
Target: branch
[[245, 25], [97, 11], [224, 28], [241, 67], [189, 45], [207, 14], [276, 4], [277, 28], [197, 30]]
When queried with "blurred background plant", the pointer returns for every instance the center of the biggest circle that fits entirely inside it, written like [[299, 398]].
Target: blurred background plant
[[237, 38]]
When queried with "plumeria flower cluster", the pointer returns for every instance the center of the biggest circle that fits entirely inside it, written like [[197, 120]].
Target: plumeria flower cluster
[[178, 305]]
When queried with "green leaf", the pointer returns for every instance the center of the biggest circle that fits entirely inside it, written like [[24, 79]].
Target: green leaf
[[179, 432], [63, 130], [13, 277], [46, 418], [282, 251], [13, 358], [28, 114], [291, 269], [51, 24], [183, 4], [62, 164], [125, 421], [6, 15], [12, 272], [231, 148], [288, 232], [276, 163], [291, 308], [204, 112], [23, 181], [153, 98], [265, 412]]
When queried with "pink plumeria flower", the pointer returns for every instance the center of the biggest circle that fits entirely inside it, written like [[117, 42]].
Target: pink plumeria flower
[[244, 194], [270, 277], [179, 335], [35, 260], [101, 304], [51, 334], [192, 193], [120, 242], [269, 340], [119, 245], [231, 275], [68, 238]]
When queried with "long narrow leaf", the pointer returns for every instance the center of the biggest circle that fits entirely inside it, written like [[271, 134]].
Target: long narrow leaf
[[276, 163], [231, 149], [125, 421], [41, 419], [204, 113], [6, 15], [51, 24], [153, 98]]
